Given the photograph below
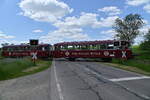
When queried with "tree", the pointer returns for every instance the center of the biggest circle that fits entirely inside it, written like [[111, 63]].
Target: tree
[[147, 36], [145, 45], [5, 44], [128, 28]]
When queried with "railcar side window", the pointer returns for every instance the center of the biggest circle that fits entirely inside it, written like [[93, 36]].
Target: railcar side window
[[103, 46], [47, 48], [116, 43], [70, 47], [43, 48], [57, 48], [110, 46]]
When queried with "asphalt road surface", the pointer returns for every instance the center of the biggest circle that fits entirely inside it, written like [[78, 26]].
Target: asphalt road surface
[[78, 80], [84, 80]]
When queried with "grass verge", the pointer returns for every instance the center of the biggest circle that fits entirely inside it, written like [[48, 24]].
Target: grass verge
[[134, 63], [140, 63], [128, 68], [12, 68]]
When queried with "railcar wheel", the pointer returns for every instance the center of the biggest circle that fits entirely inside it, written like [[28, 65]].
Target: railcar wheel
[[71, 59]]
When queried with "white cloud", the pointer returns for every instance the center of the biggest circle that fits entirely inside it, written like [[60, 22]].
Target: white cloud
[[15, 42], [108, 21], [111, 10], [145, 29], [145, 21], [147, 8], [44, 10], [145, 3], [86, 20], [71, 28], [110, 32], [65, 35], [136, 2], [37, 31], [4, 36], [138, 40]]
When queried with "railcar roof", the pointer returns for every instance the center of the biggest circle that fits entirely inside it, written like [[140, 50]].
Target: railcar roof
[[84, 42], [25, 45]]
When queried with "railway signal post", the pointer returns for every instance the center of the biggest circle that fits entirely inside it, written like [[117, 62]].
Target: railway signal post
[[34, 43], [34, 57]]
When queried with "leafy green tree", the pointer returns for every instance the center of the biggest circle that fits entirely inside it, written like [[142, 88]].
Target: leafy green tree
[[5, 44], [128, 28], [145, 45], [147, 36]]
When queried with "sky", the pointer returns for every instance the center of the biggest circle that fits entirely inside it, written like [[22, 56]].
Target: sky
[[53, 21]]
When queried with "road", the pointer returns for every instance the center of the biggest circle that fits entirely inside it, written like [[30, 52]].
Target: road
[[84, 80]]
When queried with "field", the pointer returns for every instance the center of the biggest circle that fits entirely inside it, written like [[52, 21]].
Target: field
[[140, 63], [13, 67]]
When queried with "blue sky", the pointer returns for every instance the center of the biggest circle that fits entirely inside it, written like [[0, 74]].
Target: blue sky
[[53, 21]]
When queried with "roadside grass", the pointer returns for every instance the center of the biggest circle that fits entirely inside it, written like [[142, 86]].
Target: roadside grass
[[133, 65], [140, 63], [40, 66], [16, 67], [0, 55], [142, 54], [128, 68]]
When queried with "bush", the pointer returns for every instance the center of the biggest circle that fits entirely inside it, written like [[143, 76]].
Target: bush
[[145, 45]]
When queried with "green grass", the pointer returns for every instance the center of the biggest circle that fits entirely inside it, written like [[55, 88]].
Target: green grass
[[140, 61], [134, 63], [12, 68], [142, 54], [40, 66], [0, 55]]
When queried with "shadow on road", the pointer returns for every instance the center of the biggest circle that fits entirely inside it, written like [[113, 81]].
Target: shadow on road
[[81, 60]]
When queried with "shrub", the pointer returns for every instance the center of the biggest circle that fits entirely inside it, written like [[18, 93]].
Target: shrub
[[145, 45]]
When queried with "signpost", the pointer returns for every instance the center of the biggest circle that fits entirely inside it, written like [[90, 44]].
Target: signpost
[[34, 43], [124, 55], [34, 57]]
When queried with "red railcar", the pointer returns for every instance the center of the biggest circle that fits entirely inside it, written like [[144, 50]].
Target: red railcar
[[93, 49], [86, 49], [42, 50]]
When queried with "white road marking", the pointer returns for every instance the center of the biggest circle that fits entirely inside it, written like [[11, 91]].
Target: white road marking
[[123, 79], [118, 79], [129, 78], [57, 83]]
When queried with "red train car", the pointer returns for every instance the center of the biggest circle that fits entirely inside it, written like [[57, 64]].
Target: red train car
[[71, 50], [93, 49], [42, 50]]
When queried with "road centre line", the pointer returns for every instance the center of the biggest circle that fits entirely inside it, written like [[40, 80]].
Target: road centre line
[[57, 83]]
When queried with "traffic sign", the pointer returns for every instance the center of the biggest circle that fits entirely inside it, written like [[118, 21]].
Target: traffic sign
[[34, 56], [34, 42]]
